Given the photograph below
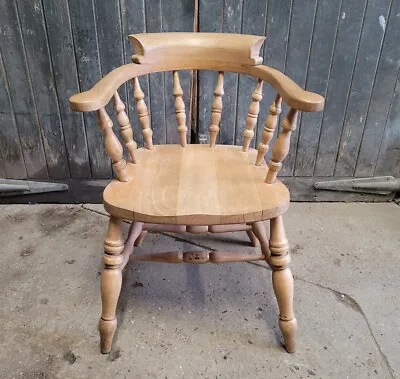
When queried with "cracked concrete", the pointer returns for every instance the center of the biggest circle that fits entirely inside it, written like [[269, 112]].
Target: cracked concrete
[[181, 321]]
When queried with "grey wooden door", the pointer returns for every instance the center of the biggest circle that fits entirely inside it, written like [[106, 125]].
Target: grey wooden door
[[344, 49]]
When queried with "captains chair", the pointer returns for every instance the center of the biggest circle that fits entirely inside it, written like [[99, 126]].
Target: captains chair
[[196, 188]]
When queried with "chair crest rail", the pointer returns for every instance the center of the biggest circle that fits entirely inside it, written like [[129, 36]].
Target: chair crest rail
[[219, 47]]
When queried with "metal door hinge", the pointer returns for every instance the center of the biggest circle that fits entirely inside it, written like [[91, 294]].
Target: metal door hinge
[[380, 185]]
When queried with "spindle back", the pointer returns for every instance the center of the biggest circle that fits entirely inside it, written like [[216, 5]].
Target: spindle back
[[160, 52]]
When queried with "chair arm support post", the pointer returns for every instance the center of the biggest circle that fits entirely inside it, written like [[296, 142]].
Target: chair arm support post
[[269, 129], [282, 145], [112, 145]]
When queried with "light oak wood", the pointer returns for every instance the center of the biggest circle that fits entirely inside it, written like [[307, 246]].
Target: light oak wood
[[253, 239], [125, 127], [282, 281], [216, 111], [281, 146], [252, 115], [111, 280], [180, 109], [143, 114], [197, 257], [196, 186], [222, 47], [269, 129], [102, 92], [196, 228], [112, 145], [141, 238], [228, 228], [259, 232], [134, 232]]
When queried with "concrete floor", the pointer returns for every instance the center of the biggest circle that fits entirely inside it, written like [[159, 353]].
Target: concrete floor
[[210, 321]]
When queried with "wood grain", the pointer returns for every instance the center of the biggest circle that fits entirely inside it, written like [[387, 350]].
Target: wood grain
[[83, 25], [361, 87], [13, 165], [351, 18], [297, 59], [253, 21], [66, 81], [43, 86], [102, 92], [381, 98], [197, 185], [321, 54], [21, 95]]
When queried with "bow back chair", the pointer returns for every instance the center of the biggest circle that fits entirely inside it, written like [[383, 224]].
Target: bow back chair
[[196, 188]]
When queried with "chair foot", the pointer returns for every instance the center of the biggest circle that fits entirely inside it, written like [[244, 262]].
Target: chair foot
[[141, 238], [107, 330], [288, 329], [253, 239]]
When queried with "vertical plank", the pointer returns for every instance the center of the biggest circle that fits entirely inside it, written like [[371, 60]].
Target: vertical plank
[[254, 22], [87, 56], [14, 60], [42, 79], [157, 80], [2, 167], [219, 16], [210, 20], [177, 16], [61, 46], [383, 89], [348, 36], [12, 162], [275, 50], [389, 153], [133, 20], [111, 54], [299, 43], [361, 86], [231, 23], [326, 23]]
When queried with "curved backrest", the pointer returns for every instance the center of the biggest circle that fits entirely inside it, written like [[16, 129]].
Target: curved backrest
[[159, 52]]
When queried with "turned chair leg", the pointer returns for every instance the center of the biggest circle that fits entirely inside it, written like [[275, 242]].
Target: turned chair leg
[[252, 237], [141, 237], [282, 279], [111, 280]]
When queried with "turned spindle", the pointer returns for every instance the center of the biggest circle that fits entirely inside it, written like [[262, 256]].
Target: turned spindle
[[282, 281], [216, 109], [180, 109], [112, 145], [125, 127], [110, 284], [143, 114], [269, 129], [281, 146], [252, 115]]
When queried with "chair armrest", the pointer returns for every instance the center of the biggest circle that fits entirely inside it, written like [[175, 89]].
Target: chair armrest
[[102, 92], [291, 93]]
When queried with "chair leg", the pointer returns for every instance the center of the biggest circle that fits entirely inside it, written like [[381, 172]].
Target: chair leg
[[141, 237], [111, 281], [282, 279], [252, 237]]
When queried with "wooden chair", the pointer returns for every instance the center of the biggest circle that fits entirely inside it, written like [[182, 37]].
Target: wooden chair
[[196, 188]]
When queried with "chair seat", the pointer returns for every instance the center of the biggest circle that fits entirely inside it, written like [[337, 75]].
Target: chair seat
[[196, 185]]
